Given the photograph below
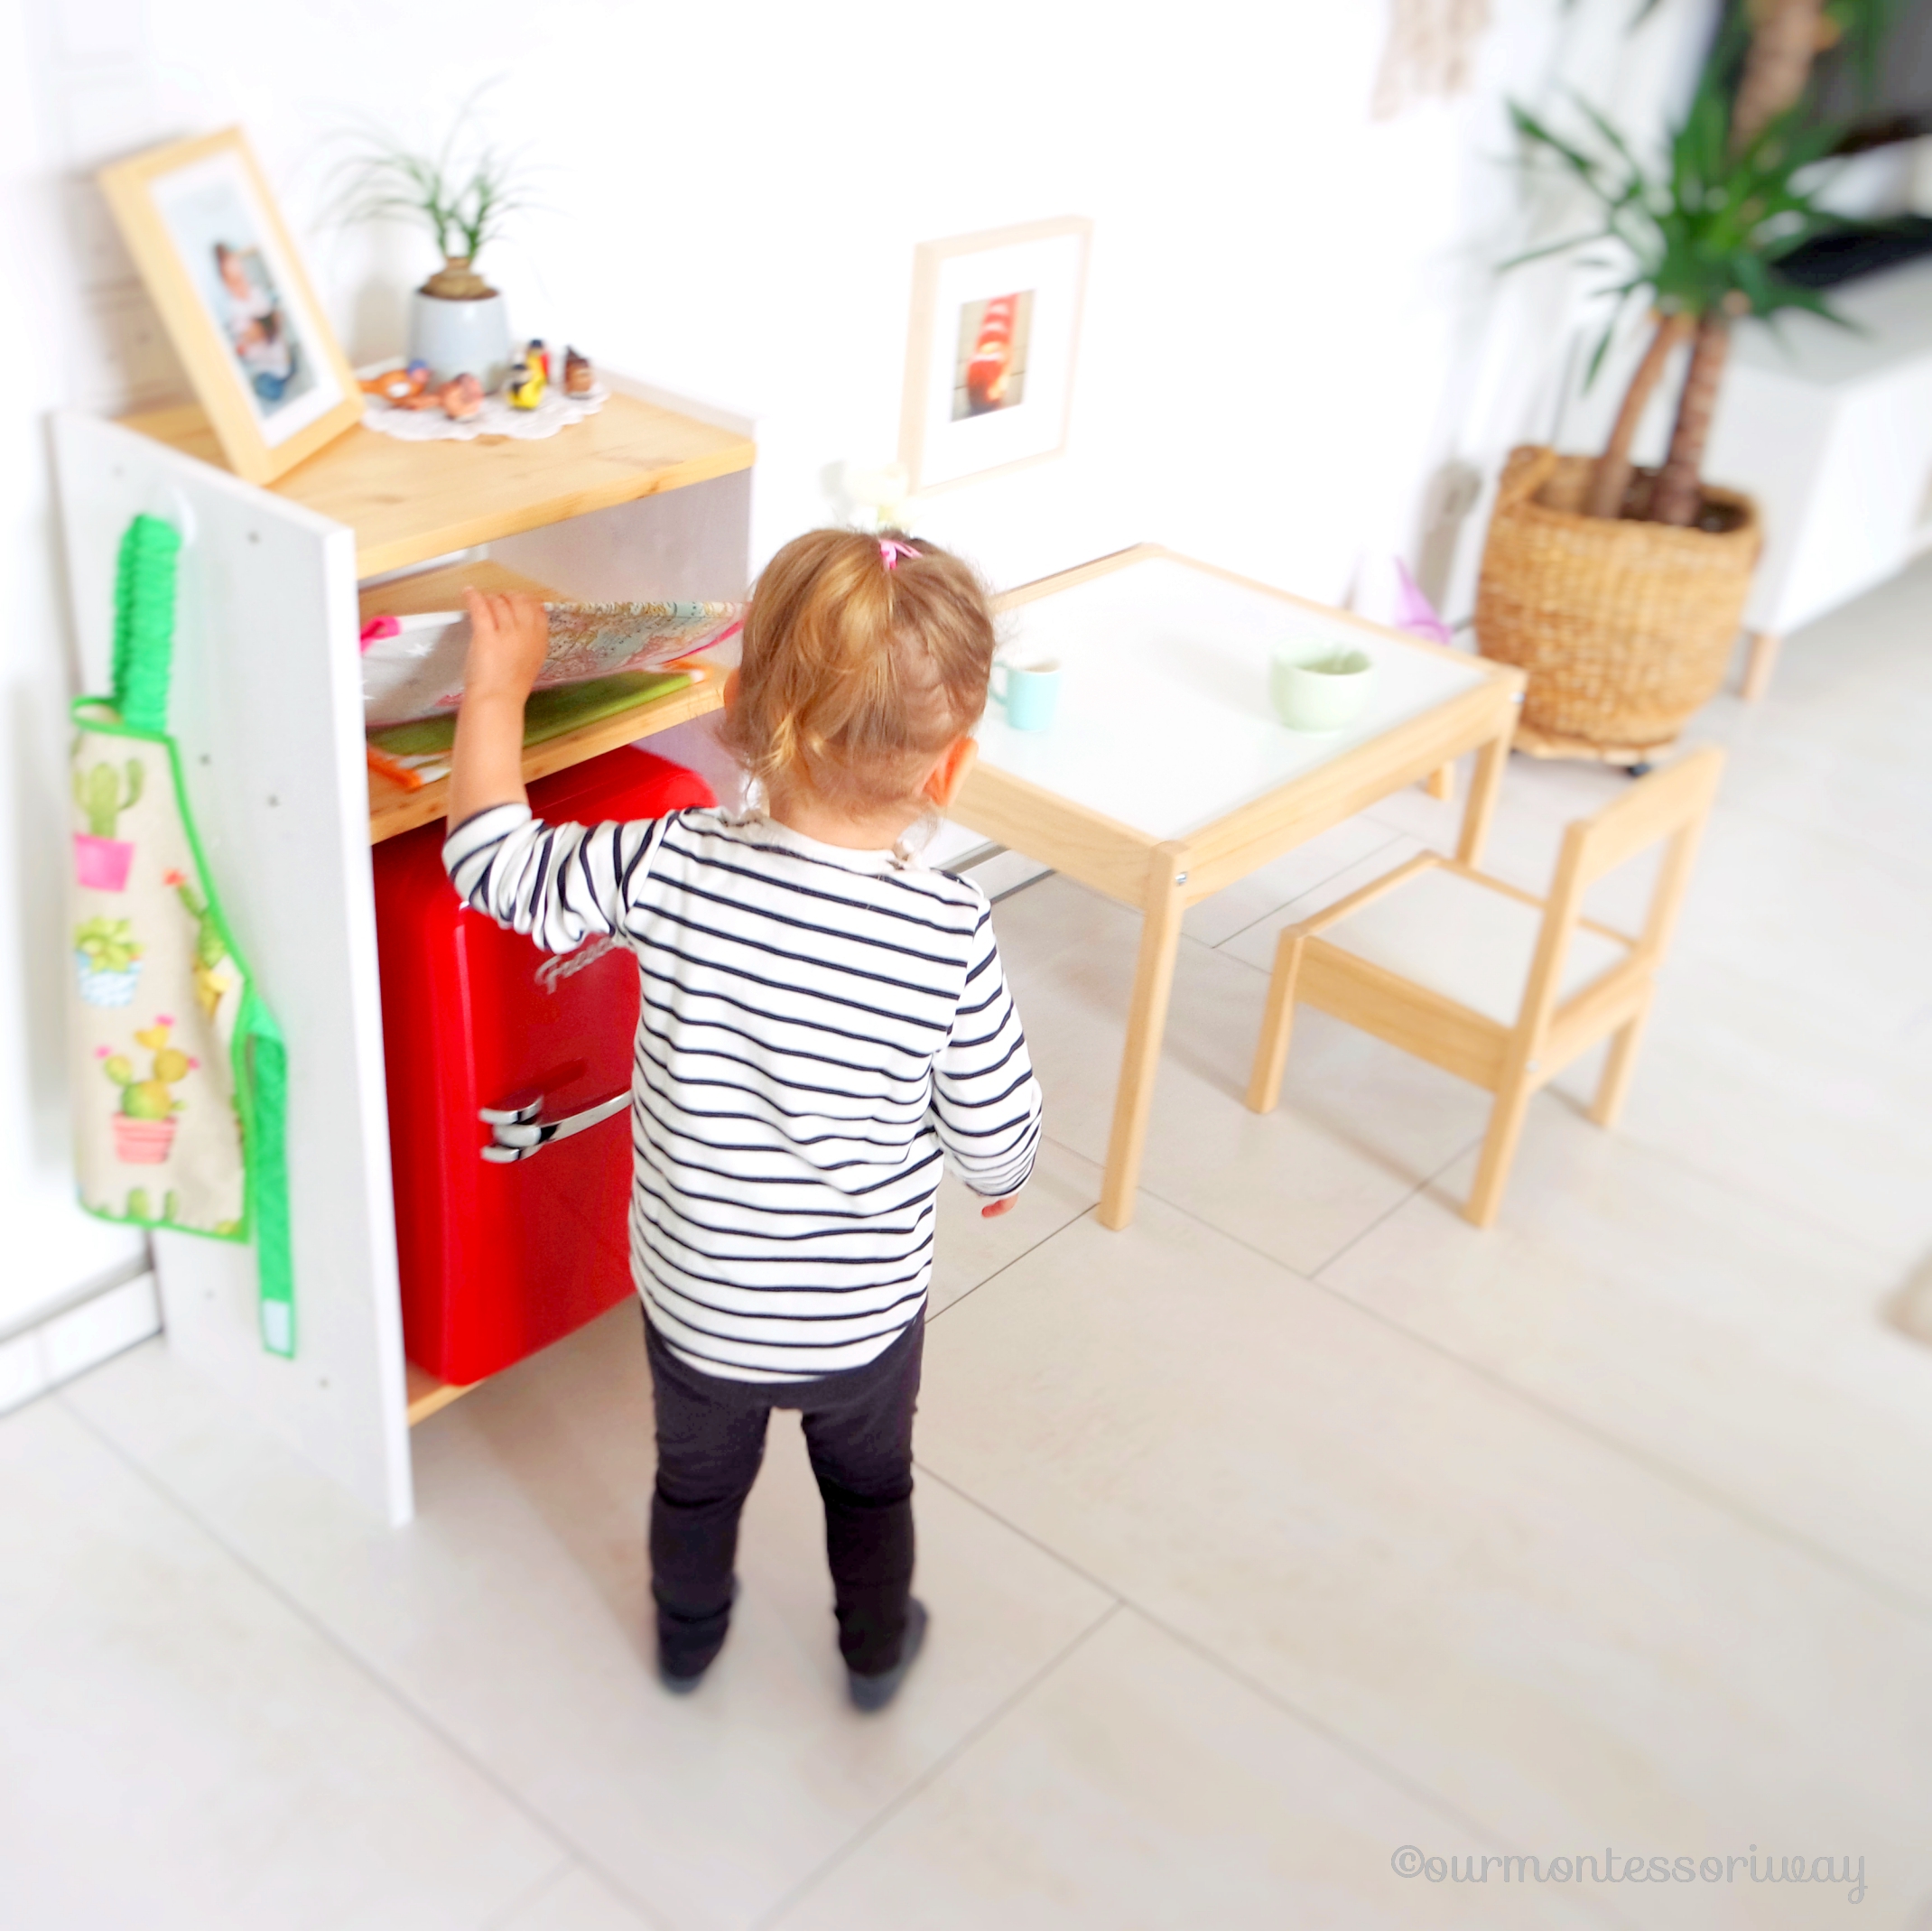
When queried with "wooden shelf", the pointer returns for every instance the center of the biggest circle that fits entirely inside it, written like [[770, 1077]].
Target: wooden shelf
[[394, 811], [442, 590], [411, 502], [427, 1395]]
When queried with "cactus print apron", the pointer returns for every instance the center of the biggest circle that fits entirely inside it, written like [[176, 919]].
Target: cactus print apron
[[178, 1071]]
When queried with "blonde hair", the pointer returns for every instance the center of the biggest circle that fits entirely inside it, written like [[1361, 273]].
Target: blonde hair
[[855, 676]]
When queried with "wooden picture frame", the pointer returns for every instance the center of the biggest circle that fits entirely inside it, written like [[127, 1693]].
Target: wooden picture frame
[[205, 233], [990, 352]]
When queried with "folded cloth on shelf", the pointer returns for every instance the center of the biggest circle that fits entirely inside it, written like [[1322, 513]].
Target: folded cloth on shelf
[[422, 746]]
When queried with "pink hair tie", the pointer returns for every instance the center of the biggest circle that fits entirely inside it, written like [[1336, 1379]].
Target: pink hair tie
[[890, 550]]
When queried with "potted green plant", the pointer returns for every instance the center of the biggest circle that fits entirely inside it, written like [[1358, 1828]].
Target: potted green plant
[[459, 324], [1621, 590]]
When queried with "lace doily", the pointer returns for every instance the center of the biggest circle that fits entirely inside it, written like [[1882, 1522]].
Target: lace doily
[[495, 418]]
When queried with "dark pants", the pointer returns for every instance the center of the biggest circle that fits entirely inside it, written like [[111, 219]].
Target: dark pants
[[711, 1439]]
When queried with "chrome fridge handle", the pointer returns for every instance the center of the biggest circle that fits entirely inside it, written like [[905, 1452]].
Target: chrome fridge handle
[[516, 1131]]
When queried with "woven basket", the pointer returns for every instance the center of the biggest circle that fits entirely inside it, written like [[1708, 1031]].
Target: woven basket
[[1625, 627]]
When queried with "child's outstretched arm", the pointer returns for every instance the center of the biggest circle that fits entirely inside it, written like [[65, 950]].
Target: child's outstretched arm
[[507, 638], [985, 1102], [557, 883]]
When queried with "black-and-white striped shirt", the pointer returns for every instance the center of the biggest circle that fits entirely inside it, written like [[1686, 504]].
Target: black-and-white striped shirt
[[819, 1028]]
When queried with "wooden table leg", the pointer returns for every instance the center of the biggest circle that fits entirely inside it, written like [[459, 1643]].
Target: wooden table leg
[[1147, 1020], [1440, 784], [1760, 661], [1482, 791]]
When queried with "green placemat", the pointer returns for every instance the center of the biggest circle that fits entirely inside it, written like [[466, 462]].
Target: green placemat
[[548, 714]]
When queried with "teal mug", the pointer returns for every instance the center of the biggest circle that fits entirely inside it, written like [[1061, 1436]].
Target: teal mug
[[1029, 693]]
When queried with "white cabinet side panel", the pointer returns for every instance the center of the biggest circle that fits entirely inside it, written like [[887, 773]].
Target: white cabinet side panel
[[267, 710]]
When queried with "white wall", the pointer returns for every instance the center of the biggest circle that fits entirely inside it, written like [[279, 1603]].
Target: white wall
[[1294, 331]]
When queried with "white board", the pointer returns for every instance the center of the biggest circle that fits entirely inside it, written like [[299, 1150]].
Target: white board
[[267, 710]]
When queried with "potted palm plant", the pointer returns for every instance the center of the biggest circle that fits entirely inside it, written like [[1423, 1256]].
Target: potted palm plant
[[458, 323], [1620, 589]]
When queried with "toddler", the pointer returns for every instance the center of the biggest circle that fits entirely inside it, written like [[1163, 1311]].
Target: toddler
[[823, 1020]]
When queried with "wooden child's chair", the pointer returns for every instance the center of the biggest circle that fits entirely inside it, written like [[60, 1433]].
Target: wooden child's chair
[[1494, 984]]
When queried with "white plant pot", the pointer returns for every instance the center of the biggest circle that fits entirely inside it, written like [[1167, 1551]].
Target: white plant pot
[[461, 338]]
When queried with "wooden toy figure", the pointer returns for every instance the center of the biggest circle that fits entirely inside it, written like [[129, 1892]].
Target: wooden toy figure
[[525, 385], [538, 357], [399, 386], [461, 398], [579, 377]]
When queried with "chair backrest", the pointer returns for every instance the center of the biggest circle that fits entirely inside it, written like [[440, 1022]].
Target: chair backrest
[[1671, 804]]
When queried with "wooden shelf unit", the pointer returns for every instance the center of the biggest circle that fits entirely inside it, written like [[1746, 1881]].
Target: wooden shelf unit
[[267, 715], [410, 503], [394, 809]]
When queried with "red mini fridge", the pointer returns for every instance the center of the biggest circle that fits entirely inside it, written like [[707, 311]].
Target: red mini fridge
[[509, 1092]]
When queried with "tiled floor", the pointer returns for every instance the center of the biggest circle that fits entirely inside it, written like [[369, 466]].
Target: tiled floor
[[1299, 1524]]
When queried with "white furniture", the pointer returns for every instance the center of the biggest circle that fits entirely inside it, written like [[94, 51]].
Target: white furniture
[[268, 712], [1830, 430], [1165, 776]]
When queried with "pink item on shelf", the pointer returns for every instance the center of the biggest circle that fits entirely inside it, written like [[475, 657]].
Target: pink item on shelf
[[1413, 611]]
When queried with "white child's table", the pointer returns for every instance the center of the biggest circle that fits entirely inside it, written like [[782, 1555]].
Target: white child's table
[[1165, 777]]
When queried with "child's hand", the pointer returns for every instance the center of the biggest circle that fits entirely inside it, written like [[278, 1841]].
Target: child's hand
[[993, 1209], [508, 637]]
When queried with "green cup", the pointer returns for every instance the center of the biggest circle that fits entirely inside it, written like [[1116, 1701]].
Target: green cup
[[1317, 684]]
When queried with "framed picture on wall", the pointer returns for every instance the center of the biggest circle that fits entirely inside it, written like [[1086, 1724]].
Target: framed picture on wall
[[204, 231], [990, 359]]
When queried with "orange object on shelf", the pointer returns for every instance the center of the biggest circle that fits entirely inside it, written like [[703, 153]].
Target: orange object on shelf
[[394, 769]]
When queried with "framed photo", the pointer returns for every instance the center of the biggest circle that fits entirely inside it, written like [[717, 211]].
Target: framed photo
[[203, 227], [989, 361]]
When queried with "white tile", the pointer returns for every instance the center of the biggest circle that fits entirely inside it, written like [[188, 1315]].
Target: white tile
[[1139, 1785], [969, 1247], [1818, 917], [182, 1749], [23, 1373], [1779, 1096], [1005, 872], [576, 1900], [514, 1613], [1745, 1345], [1559, 1642], [85, 1336]]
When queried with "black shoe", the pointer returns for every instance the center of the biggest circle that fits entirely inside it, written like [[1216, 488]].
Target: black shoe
[[678, 1685], [874, 1693], [682, 1682]]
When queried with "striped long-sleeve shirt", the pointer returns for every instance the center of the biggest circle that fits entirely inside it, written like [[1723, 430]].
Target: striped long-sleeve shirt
[[818, 1029]]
